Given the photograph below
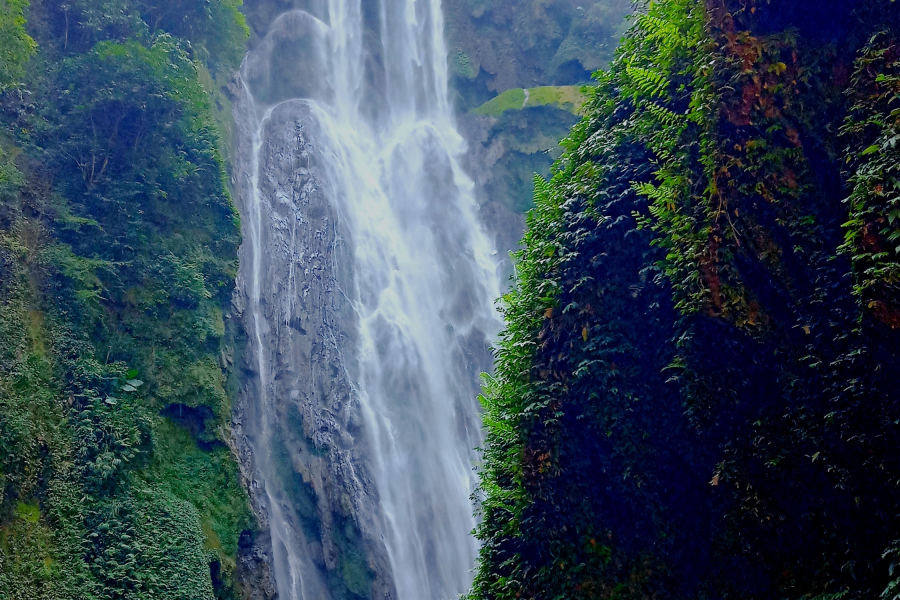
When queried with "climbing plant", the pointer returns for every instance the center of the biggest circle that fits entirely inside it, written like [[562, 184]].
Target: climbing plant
[[689, 400]]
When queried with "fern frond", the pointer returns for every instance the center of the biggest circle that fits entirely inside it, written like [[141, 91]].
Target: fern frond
[[663, 194], [542, 190], [663, 31], [647, 82], [665, 116]]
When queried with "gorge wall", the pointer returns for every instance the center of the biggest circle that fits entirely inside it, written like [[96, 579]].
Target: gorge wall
[[501, 51], [118, 253], [695, 392]]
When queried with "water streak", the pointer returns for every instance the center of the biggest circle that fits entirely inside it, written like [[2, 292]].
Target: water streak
[[424, 277]]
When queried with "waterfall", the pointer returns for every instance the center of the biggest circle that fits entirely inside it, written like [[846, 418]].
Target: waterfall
[[368, 285]]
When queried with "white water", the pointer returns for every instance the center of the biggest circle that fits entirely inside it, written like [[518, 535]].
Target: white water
[[425, 276]]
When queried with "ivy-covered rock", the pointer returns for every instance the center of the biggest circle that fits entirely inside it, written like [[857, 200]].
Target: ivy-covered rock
[[694, 394]]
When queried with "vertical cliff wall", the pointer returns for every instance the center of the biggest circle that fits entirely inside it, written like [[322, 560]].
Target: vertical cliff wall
[[695, 393], [118, 253]]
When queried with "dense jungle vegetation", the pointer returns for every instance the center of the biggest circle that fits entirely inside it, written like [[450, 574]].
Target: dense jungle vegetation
[[118, 253], [695, 394]]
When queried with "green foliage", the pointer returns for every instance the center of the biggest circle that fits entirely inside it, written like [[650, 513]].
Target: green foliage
[[217, 26], [686, 403], [462, 65], [352, 579], [508, 100], [567, 97], [208, 479], [16, 46], [873, 127], [667, 74], [507, 395], [530, 549], [86, 22], [118, 244], [216, 30], [148, 543]]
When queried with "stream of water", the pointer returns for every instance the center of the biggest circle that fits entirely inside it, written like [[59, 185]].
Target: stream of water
[[370, 84]]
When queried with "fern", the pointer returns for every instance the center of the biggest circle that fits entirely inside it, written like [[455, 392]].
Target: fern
[[647, 82], [665, 116], [660, 30], [542, 190], [892, 591], [662, 194]]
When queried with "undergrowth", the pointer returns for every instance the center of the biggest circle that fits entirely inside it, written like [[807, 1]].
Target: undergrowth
[[118, 243]]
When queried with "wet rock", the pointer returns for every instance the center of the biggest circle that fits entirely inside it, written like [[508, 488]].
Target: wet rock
[[298, 435]]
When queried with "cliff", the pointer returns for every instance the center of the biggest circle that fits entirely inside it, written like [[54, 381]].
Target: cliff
[[118, 254], [694, 393]]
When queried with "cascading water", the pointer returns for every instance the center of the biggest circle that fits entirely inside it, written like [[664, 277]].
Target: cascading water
[[368, 288]]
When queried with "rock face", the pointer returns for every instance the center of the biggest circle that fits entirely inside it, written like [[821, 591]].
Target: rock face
[[497, 45], [302, 445], [254, 568]]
